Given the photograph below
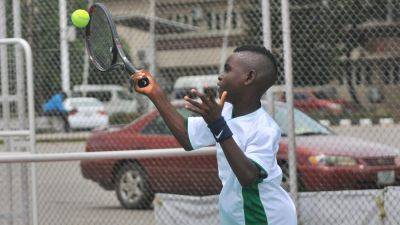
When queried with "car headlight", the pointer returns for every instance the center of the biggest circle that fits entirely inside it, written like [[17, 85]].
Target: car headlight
[[397, 161], [324, 160], [335, 106]]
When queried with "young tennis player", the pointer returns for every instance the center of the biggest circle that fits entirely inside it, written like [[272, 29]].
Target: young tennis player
[[246, 137]]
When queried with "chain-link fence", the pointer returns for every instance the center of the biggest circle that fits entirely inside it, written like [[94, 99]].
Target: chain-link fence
[[346, 78]]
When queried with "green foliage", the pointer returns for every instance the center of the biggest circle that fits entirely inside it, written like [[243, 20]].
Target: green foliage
[[40, 26], [43, 35], [320, 35]]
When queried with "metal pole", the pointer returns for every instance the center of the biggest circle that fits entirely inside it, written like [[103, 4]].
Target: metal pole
[[270, 103], [29, 79], [64, 47], [18, 65], [270, 97], [266, 23], [267, 40], [144, 103], [21, 108], [86, 67], [4, 93], [4, 68], [226, 36], [31, 116], [152, 37], [287, 54], [75, 156], [85, 74]]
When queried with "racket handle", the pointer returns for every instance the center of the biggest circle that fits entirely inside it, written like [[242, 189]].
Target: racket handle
[[143, 82]]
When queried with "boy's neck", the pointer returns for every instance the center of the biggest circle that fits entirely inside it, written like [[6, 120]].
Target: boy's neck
[[244, 108]]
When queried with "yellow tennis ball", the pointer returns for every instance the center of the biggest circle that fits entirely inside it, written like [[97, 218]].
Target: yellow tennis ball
[[80, 18]]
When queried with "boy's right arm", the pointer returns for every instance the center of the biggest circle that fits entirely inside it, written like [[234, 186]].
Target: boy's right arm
[[175, 121]]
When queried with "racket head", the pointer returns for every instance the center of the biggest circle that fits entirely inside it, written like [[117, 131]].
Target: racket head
[[102, 40]]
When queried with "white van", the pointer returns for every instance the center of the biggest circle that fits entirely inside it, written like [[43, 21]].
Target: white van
[[202, 83], [114, 97]]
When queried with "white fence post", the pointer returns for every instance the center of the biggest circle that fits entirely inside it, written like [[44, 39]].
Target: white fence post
[[30, 133]]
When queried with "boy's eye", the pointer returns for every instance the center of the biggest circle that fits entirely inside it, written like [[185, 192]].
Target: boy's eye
[[227, 67]]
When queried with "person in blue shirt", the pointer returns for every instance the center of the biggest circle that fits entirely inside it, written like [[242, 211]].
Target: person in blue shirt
[[54, 107]]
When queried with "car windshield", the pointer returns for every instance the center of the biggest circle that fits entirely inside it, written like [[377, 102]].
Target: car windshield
[[300, 96], [330, 95], [125, 95], [304, 125], [321, 95], [158, 126]]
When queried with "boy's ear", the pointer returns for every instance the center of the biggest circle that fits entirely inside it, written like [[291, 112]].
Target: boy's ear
[[250, 77]]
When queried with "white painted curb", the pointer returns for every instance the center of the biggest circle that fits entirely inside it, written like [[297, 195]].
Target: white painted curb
[[365, 122], [361, 122], [386, 121], [345, 122]]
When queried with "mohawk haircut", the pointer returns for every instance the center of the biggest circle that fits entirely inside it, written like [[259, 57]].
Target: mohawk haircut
[[273, 72]]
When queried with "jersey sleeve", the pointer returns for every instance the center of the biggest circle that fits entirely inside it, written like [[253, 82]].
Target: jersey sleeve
[[199, 134], [262, 149]]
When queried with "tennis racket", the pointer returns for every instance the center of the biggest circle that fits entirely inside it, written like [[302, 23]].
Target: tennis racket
[[103, 44]]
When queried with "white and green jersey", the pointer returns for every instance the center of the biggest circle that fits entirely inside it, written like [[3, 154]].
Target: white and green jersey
[[264, 202]]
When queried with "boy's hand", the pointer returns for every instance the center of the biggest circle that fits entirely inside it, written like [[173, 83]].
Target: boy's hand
[[208, 108], [150, 89]]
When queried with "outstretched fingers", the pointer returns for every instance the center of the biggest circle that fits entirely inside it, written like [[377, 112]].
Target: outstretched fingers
[[193, 108], [223, 98], [197, 104], [203, 97]]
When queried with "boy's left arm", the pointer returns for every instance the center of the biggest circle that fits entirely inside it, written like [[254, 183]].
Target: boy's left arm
[[244, 168]]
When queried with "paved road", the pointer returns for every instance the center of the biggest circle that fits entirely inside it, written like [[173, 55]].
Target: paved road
[[66, 198]]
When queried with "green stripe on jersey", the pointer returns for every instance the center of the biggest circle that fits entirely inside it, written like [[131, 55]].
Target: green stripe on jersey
[[254, 213]]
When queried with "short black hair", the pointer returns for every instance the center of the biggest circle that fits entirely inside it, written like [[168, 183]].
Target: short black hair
[[268, 55]]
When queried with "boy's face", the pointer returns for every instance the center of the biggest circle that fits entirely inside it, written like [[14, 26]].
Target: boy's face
[[233, 77]]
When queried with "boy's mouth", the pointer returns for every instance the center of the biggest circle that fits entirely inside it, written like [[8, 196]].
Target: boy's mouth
[[219, 90]]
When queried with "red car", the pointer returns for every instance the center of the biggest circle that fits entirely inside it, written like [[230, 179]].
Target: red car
[[325, 161], [311, 101]]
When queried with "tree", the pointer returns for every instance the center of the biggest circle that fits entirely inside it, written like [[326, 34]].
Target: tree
[[44, 41], [43, 34], [321, 36]]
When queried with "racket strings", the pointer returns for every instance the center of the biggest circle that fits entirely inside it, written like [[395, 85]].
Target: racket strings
[[101, 39]]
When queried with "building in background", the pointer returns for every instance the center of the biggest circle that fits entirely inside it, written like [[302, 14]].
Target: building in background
[[189, 34], [357, 54], [372, 63]]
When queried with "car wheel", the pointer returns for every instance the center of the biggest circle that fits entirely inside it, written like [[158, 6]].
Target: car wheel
[[132, 189]]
